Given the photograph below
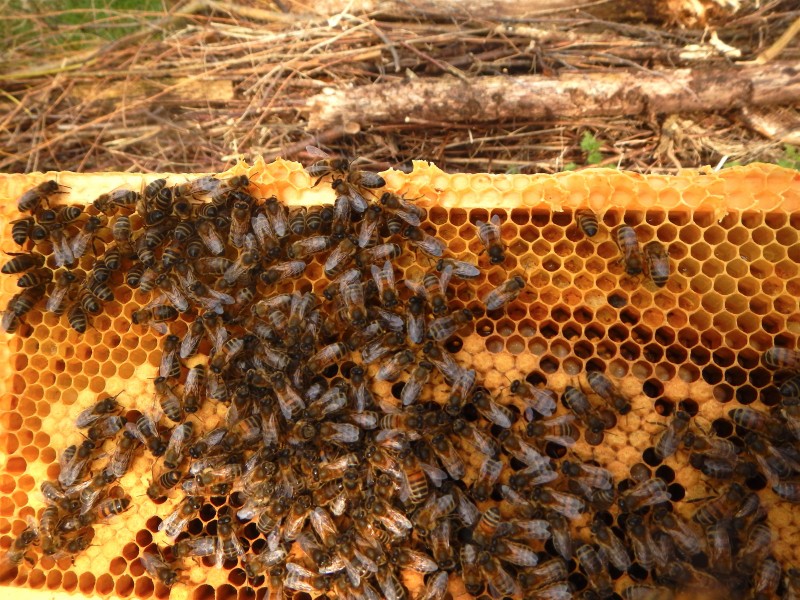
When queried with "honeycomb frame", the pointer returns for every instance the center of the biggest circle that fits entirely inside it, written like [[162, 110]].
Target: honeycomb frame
[[735, 252]]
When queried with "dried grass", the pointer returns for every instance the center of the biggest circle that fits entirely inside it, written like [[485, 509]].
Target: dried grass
[[190, 89]]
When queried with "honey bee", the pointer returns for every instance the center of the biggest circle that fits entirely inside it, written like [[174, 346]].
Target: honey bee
[[74, 463], [390, 584], [170, 366], [256, 564], [384, 281], [228, 545], [587, 221], [112, 506], [423, 241], [22, 544], [441, 328], [558, 430], [496, 413], [779, 358], [449, 457], [84, 238], [308, 246], [542, 401], [105, 427], [788, 490], [721, 508], [369, 225], [603, 387], [612, 546], [23, 262], [23, 302], [35, 277], [656, 260], [668, 440], [487, 526], [156, 316], [631, 252], [208, 233], [595, 570], [168, 400], [647, 493], [77, 318], [180, 435], [32, 199], [753, 420], [393, 520], [290, 402], [587, 477], [146, 431], [476, 437], [504, 293], [159, 486], [682, 533], [393, 368], [416, 383], [377, 254], [497, 578], [489, 235], [272, 514], [176, 521], [195, 547], [158, 569], [326, 165], [443, 361], [21, 230]]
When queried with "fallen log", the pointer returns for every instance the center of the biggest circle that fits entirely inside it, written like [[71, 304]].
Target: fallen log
[[569, 95]]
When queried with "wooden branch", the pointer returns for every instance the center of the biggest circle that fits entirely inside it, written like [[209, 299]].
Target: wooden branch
[[500, 10], [571, 95]]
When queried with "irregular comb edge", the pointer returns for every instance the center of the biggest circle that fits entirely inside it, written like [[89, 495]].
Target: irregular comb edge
[[754, 187]]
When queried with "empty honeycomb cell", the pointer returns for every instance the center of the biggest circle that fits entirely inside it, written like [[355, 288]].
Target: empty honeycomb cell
[[560, 348], [712, 267], [787, 236], [548, 329], [104, 584], [665, 335], [124, 586], [688, 267], [773, 252], [773, 323], [761, 269], [736, 339], [677, 251], [747, 286], [505, 327], [552, 233], [631, 316], [541, 247], [752, 219], [606, 350], [571, 331], [701, 251], [549, 364], [785, 304], [677, 318], [723, 321], [690, 234], [641, 298], [538, 311], [594, 332], [762, 235], [786, 269]]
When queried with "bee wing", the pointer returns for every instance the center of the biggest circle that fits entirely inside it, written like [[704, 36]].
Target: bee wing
[[316, 152], [366, 231], [436, 475], [561, 440], [490, 470], [602, 478], [445, 276], [409, 217], [465, 270], [357, 201], [432, 246], [345, 433], [497, 416], [418, 561], [416, 287], [56, 298], [86, 418], [569, 506], [466, 509], [152, 564]]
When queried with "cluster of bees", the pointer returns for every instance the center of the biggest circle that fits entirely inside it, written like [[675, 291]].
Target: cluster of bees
[[369, 485], [651, 258]]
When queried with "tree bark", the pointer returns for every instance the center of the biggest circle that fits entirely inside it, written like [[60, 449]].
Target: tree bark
[[573, 95]]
